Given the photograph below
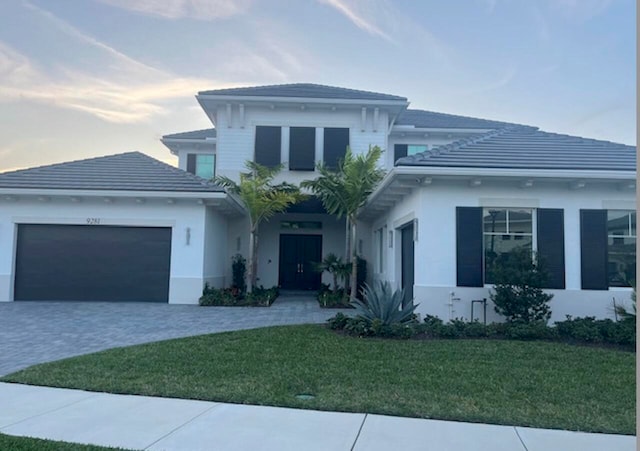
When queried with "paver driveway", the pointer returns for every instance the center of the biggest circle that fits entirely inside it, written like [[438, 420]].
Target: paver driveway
[[36, 332]]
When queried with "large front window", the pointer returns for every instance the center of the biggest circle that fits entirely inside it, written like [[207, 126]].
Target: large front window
[[505, 230], [621, 249]]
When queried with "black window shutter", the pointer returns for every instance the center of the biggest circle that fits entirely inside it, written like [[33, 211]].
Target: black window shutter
[[593, 249], [551, 245], [336, 141], [267, 148], [302, 148], [469, 247], [399, 151], [191, 163]]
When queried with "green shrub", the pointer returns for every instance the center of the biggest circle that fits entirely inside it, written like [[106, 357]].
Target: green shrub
[[527, 331], [334, 299], [261, 296], [591, 330], [338, 321], [517, 293], [383, 303], [217, 296], [238, 273]]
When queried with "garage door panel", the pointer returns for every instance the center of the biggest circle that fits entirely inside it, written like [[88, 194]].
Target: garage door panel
[[86, 263]]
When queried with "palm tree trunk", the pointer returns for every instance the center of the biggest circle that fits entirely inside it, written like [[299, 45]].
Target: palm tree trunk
[[347, 240], [354, 261], [253, 258]]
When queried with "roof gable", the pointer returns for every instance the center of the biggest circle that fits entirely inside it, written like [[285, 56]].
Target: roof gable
[[131, 171], [303, 90]]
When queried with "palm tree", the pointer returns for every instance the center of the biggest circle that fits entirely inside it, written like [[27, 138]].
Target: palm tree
[[344, 191], [262, 200], [334, 266]]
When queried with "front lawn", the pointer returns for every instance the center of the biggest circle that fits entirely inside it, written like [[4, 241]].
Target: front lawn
[[539, 384], [10, 442]]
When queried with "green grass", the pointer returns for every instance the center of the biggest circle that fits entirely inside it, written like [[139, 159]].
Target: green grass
[[8, 442], [540, 384]]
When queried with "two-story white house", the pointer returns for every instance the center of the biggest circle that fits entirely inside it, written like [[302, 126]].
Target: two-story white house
[[458, 192]]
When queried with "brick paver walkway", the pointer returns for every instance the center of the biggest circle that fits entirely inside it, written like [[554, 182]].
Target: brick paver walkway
[[36, 332]]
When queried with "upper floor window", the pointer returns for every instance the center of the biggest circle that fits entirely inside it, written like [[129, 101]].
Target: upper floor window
[[302, 148], [336, 141], [267, 146], [505, 230], [202, 165], [413, 149], [621, 247], [403, 150]]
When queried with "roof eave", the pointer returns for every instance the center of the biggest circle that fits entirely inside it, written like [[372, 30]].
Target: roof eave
[[416, 176], [306, 100]]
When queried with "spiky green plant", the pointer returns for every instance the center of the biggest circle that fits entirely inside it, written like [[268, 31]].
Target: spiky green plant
[[382, 303]]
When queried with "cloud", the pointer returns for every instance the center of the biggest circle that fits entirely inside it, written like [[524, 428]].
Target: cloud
[[356, 14], [138, 100], [179, 9]]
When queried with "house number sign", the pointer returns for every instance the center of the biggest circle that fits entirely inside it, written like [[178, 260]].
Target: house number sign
[[93, 221]]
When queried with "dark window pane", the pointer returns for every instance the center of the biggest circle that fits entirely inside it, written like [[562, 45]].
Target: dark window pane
[[336, 141], [495, 245], [495, 220], [520, 221], [267, 150], [618, 222], [621, 261], [302, 148], [399, 151], [633, 224]]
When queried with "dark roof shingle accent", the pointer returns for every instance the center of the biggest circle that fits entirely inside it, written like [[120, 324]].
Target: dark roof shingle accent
[[431, 119], [306, 90], [528, 148], [131, 171], [195, 134]]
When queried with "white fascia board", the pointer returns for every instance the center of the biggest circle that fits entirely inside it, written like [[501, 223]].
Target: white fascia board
[[112, 193], [559, 174], [306, 100], [189, 140]]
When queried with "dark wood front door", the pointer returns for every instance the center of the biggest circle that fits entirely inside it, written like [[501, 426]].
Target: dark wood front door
[[407, 261], [297, 255]]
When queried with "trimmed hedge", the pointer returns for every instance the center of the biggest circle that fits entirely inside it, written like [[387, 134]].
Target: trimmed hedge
[[228, 297], [579, 330]]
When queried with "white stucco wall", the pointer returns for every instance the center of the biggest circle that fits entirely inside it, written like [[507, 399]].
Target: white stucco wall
[[187, 259], [215, 248], [435, 251]]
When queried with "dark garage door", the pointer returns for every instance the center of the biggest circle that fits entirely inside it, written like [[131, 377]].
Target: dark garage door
[[92, 263]]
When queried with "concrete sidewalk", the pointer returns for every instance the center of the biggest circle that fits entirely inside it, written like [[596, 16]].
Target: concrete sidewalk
[[141, 422]]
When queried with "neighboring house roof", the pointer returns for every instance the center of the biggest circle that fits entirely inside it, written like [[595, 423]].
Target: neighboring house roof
[[131, 171], [430, 119], [195, 134], [304, 90], [528, 148]]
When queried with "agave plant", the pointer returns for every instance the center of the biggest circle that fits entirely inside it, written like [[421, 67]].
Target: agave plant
[[381, 302]]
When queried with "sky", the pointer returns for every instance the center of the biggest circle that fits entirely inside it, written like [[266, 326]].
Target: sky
[[84, 78]]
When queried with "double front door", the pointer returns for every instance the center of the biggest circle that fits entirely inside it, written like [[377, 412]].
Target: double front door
[[298, 253]]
